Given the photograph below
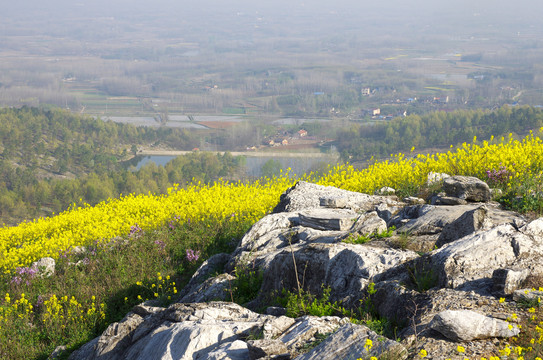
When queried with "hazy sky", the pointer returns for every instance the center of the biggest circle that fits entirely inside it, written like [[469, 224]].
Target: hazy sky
[[307, 17]]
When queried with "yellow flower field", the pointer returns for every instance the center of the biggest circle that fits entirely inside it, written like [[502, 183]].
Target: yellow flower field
[[29, 241]]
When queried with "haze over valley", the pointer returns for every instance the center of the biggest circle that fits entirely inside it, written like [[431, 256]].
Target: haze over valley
[[344, 81]]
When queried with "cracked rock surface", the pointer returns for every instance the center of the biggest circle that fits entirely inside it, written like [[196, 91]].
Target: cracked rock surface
[[439, 276]]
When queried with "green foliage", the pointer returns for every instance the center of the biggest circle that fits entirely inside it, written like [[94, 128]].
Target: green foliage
[[247, 283], [357, 239], [115, 277], [33, 141], [525, 196], [386, 233], [362, 239], [422, 278], [271, 168], [305, 303]]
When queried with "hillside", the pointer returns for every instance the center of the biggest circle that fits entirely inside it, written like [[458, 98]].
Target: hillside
[[101, 275], [51, 158]]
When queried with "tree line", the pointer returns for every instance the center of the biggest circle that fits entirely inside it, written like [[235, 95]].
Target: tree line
[[434, 130]]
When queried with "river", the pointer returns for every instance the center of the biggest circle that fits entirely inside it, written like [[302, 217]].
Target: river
[[299, 163]]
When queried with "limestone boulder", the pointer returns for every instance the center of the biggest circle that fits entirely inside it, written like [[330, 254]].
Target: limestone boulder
[[345, 268], [435, 178], [307, 327], [215, 264], [506, 281], [45, 267], [385, 190], [328, 219], [236, 350], [117, 337], [262, 348], [474, 258], [369, 223], [187, 340], [482, 217], [182, 331], [306, 195], [212, 289], [467, 325], [428, 219], [468, 188]]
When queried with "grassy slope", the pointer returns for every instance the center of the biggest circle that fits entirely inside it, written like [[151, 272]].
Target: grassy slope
[[177, 232]]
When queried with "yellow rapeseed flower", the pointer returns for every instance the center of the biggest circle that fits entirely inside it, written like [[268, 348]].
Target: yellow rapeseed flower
[[423, 353], [368, 345]]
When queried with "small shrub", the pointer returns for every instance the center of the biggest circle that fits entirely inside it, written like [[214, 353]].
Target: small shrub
[[385, 234], [524, 196], [247, 284], [422, 278], [362, 239], [306, 303], [402, 241]]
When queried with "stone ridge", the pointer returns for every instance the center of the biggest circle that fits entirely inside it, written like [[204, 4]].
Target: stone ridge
[[440, 275]]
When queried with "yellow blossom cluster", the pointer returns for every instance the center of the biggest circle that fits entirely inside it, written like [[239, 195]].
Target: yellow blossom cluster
[[67, 309], [163, 287], [54, 312], [29, 241], [521, 159]]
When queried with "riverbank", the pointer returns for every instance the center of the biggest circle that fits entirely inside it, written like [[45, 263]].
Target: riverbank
[[244, 153]]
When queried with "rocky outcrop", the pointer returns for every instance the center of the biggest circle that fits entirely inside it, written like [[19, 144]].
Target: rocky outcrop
[[469, 253], [215, 330], [306, 195]]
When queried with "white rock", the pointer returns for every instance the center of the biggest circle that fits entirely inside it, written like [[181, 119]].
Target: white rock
[[45, 266], [236, 350], [434, 178], [467, 325], [467, 188], [307, 326], [348, 343]]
